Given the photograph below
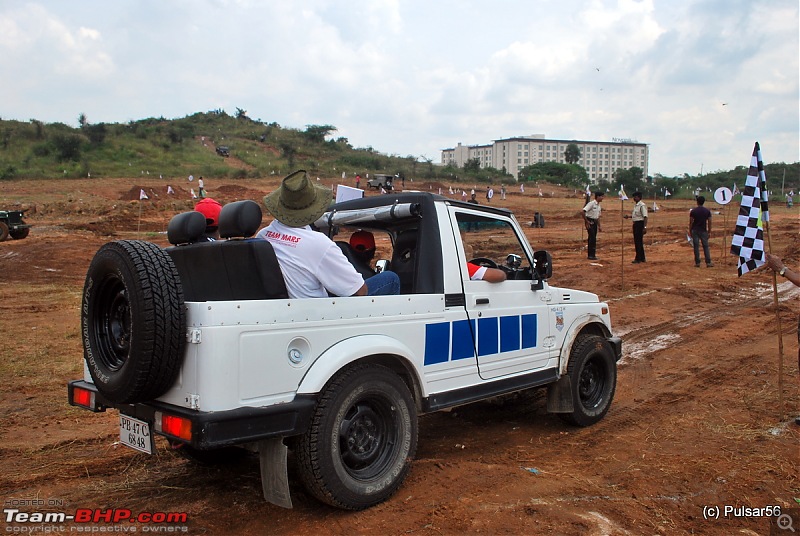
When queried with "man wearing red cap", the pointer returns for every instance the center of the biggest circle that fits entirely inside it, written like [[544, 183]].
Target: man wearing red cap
[[210, 209]]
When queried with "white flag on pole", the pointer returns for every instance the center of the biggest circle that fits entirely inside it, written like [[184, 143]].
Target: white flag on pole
[[142, 195]]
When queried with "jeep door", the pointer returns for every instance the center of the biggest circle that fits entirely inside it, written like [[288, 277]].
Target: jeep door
[[509, 323]]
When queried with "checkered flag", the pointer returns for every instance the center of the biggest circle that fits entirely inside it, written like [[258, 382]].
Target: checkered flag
[[748, 239]]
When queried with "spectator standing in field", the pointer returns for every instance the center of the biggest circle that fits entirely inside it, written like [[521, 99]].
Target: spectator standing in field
[[201, 191], [639, 217], [700, 229], [591, 219]]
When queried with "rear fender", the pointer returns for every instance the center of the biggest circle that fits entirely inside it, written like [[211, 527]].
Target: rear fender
[[342, 354]]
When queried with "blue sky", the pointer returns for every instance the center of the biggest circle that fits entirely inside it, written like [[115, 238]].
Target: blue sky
[[700, 80]]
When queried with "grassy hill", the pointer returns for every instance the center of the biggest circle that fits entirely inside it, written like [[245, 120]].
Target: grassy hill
[[179, 147], [176, 148]]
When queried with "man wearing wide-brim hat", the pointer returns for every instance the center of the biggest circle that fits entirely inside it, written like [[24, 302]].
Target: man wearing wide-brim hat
[[312, 264]]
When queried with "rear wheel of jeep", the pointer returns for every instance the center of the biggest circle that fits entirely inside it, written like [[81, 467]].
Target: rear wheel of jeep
[[3, 231], [133, 321], [593, 375], [362, 438]]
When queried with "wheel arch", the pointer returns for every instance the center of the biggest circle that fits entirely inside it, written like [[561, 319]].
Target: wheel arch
[[364, 349], [591, 324]]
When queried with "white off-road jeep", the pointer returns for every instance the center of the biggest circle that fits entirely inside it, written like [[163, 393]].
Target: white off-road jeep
[[199, 342]]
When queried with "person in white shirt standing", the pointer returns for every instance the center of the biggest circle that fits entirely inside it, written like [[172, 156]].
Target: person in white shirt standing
[[639, 217], [591, 218], [312, 264]]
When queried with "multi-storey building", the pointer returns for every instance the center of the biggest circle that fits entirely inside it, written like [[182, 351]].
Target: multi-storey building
[[600, 159]]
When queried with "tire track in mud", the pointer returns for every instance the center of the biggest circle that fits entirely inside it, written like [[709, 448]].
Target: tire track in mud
[[647, 381], [639, 343]]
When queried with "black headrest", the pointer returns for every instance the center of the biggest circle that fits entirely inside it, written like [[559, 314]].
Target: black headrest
[[240, 219], [186, 227]]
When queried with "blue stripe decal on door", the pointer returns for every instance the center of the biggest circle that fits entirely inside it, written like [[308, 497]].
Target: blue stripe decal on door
[[452, 341], [463, 347], [509, 333], [437, 343], [529, 331], [487, 336]]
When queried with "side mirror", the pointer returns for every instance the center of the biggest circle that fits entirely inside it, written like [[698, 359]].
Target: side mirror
[[543, 264]]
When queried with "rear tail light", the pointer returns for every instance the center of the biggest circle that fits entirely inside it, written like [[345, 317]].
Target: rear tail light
[[84, 398], [172, 425]]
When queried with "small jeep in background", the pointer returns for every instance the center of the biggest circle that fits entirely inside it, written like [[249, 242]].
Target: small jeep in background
[[11, 224], [223, 150], [381, 181]]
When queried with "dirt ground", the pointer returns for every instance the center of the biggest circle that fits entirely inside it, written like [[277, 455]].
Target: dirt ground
[[695, 423]]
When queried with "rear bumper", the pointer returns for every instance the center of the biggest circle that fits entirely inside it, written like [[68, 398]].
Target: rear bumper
[[214, 429]]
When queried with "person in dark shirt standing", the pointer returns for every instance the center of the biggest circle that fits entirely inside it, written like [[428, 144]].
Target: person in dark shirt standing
[[700, 229]]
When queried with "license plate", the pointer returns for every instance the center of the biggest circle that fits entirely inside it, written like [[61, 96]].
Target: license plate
[[135, 434]]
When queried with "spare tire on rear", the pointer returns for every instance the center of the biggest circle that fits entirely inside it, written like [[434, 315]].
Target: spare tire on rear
[[133, 321]]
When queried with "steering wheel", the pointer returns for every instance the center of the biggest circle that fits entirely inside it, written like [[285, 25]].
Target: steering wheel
[[483, 261]]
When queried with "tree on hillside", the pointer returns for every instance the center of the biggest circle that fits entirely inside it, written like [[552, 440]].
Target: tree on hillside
[[317, 133], [630, 179], [473, 164], [288, 151], [82, 121], [554, 172], [572, 154], [241, 114], [68, 146], [95, 133]]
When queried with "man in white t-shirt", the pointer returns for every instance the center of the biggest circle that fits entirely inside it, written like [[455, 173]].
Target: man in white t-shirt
[[312, 264]]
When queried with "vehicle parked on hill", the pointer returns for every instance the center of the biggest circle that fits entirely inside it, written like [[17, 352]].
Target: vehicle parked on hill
[[223, 150], [12, 224], [379, 181], [199, 342]]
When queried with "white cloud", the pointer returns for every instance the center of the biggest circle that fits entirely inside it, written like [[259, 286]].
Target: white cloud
[[415, 77]]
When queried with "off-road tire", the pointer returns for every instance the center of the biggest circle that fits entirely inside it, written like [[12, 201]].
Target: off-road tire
[[19, 234], [133, 322], [593, 375], [362, 438], [3, 231]]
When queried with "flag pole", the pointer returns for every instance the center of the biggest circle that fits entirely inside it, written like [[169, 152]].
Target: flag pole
[[139, 222], [724, 230], [778, 324], [768, 239], [622, 242]]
